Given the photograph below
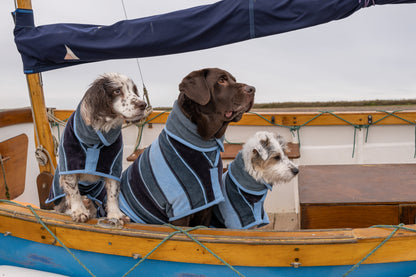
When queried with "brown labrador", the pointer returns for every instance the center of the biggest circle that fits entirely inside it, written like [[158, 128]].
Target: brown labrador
[[211, 98], [173, 181]]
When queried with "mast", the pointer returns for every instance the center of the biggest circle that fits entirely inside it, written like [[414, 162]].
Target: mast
[[43, 133]]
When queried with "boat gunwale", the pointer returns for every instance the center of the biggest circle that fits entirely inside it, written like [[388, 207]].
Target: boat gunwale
[[279, 248], [211, 235], [215, 235], [16, 116]]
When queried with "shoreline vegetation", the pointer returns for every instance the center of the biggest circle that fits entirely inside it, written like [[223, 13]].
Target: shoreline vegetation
[[403, 104]]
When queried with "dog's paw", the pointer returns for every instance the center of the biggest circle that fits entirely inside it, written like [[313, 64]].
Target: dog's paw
[[80, 215], [117, 218]]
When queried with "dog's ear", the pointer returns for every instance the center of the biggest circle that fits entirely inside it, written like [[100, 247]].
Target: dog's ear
[[195, 87], [265, 143], [261, 151], [97, 102], [283, 143]]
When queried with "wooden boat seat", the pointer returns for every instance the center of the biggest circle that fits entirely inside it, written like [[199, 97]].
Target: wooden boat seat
[[14, 158], [231, 150], [350, 196]]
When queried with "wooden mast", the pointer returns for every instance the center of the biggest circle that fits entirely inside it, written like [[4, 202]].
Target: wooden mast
[[43, 133]]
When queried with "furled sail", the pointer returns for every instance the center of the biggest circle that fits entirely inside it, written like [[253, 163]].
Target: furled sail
[[54, 46]]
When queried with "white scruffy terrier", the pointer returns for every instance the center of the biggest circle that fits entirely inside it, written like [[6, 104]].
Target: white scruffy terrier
[[261, 164]]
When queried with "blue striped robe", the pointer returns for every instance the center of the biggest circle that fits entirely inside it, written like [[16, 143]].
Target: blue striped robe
[[85, 150], [177, 175], [243, 207]]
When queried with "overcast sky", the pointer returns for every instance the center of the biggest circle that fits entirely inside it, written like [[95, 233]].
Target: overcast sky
[[369, 55]]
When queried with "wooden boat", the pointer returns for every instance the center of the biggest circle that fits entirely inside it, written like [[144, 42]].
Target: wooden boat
[[362, 231]]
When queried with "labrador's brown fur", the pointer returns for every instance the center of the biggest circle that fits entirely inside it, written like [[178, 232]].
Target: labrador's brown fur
[[211, 98]]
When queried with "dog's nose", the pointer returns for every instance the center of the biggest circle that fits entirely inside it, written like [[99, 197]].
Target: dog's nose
[[140, 105], [250, 89], [295, 170]]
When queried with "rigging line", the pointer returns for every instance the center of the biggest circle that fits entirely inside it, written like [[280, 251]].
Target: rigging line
[[137, 60]]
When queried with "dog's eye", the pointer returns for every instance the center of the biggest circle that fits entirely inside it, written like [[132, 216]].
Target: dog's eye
[[117, 92], [277, 158], [222, 80]]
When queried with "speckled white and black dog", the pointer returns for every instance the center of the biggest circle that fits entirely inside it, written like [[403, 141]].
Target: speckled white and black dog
[[91, 148], [260, 165]]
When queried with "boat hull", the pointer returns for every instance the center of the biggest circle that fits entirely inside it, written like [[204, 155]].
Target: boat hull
[[24, 253], [33, 238]]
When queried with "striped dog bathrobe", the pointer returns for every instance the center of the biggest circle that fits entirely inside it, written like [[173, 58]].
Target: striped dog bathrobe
[[85, 150], [243, 207], [177, 175]]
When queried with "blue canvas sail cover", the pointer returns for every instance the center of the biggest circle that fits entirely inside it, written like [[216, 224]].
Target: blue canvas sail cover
[[59, 45]]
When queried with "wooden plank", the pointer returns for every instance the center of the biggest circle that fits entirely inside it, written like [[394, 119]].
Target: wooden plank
[[14, 154], [24, 4], [231, 150], [347, 216], [318, 119], [15, 116], [295, 119], [407, 213], [44, 182], [344, 184]]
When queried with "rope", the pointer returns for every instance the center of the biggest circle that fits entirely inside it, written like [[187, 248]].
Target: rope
[[50, 232], [141, 126], [178, 231], [145, 94], [396, 228], [185, 232], [296, 128], [7, 194], [234, 143], [42, 156]]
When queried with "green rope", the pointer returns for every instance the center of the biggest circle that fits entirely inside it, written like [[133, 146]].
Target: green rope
[[50, 232], [206, 248], [401, 118], [356, 126], [233, 143], [141, 126], [139, 139], [396, 228], [7, 193], [154, 249], [178, 231], [185, 232]]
